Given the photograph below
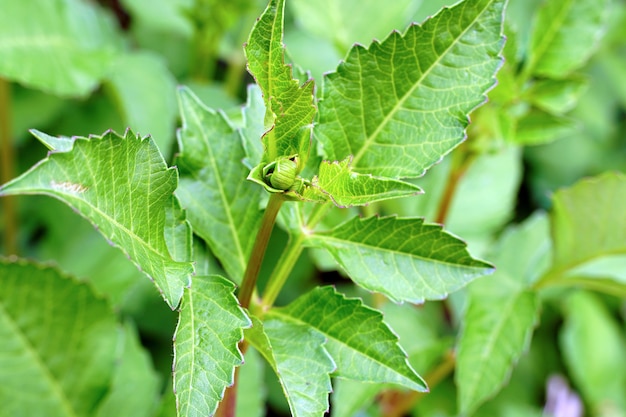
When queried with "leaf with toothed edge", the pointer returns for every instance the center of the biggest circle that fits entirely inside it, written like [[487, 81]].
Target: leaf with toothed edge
[[400, 105], [361, 344], [297, 355], [123, 186], [206, 351], [402, 258]]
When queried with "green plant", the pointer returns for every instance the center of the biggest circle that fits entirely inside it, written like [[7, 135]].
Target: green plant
[[338, 169]]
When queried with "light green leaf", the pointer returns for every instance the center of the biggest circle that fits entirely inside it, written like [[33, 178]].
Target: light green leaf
[[346, 188], [334, 20], [564, 35], [402, 258], [64, 47], [350, 396], [222, 206], [296, 353], [253, 114], [557, 96], [593, 347], [251, 385], [289, 106], [501, 314], [59, 144], [122, 186], [606, 274], [144, 90], [361, 344], [538, 127], [401, 105], [135, 385], [59, 341], [209, 329], [588, 222]]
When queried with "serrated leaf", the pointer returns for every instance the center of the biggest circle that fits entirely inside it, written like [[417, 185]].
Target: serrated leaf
[[122, 185], [402, 258], [588, 330], [289, 106], [296, 354], [58, 347], [501, 314], [209, 329], [135, 385], [253, 114], [401, 105], [565, 34], [588, 220], [63, 47], [133, 78], [346, 188], [361, 344], [222, 206]]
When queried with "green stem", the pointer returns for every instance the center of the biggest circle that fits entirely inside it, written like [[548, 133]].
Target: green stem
[[7, 160], [248, 284], [290, 257]]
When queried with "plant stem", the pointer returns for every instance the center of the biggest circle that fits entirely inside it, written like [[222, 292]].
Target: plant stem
[[7, 159], [290, 257], [397, 404], [460, 163], [248, 284]]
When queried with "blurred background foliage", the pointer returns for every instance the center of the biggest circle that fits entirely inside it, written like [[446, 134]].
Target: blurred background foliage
[[76, 67]]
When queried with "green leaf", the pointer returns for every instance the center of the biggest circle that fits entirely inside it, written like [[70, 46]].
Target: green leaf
[[564, 35], [593, 347], [252, 383], [223, 208], [557, 96], [296, 353], [122, 186], [588, 221], [335, 21], [501, 314], [132, 79], [135, 385], [289, 106], [361, 344], [538, 127], [64, 47], [346, 188], [209, 329], [402, 258], [253, 130], [59, 341], [401, 105]]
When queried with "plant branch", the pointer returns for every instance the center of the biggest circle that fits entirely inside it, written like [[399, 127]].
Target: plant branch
[[248, 284], [397, 404], [7, 159], [461, 161]]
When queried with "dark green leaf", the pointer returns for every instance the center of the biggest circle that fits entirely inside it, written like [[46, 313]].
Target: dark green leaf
[[402, 258], [59, 343]]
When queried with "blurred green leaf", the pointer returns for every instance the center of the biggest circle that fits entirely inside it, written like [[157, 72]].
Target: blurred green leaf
[[297, 355], [123, 186], [336, 22], [557, 96], [593, 346], [63, 47], [135, 384], [289, 106], [401, 105], [361, 344], [501, 314], [251, 401], [565, 33], [209, 329], [538, 127], [144, 89], [223, 208], [402, 258], [59, 343]]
